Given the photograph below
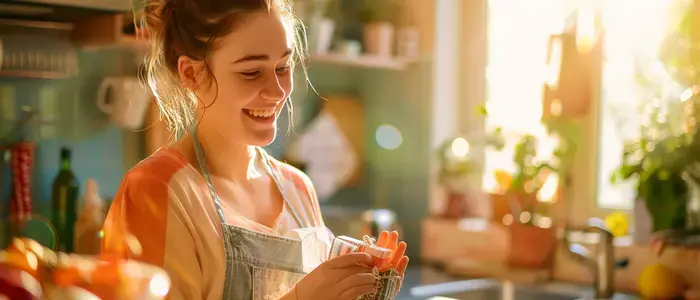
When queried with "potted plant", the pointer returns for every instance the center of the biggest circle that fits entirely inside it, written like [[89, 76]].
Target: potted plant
[[663, 159], [378, 27], [456, 167], [534, 188], [660, 162]]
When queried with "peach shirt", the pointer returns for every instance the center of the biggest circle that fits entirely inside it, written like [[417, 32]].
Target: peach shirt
[[165, 203]]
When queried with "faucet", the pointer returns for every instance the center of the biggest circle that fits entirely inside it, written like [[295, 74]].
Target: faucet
[[601, 261]]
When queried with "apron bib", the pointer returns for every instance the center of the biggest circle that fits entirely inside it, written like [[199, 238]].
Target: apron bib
[[262, 266]]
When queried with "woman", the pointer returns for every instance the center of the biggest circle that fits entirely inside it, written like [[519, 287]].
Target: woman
[[213, 209]]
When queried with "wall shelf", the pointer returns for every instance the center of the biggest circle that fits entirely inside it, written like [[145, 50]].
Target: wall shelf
[[362, 61], [140, 46], [124, 42]]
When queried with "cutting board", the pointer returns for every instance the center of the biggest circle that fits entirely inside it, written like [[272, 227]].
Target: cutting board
[[349, 114]]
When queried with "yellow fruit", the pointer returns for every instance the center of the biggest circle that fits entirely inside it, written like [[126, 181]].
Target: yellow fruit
[[659, 282], [503, 179], [617, 223]]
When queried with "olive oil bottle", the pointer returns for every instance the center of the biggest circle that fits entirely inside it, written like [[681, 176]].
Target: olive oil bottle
[[64, 202]]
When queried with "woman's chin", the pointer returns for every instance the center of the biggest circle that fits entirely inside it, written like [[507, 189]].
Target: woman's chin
[[262, 138]]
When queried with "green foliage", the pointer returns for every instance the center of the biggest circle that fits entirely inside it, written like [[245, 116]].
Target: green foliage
[[669, 142]]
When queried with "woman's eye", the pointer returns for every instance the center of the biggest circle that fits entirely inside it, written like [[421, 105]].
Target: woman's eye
[[283, 70], [251, 74]]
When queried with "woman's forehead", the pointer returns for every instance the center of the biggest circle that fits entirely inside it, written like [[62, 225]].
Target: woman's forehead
[[262, 34]]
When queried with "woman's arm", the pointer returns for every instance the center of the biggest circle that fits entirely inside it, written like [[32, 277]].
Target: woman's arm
[[147, 209]]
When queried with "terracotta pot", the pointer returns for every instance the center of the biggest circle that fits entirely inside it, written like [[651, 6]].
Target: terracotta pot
[[530, 246], [501, 204], [456, 207], [379, 39]]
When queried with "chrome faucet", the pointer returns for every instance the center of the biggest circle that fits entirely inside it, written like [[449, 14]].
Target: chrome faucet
[[601, 261]]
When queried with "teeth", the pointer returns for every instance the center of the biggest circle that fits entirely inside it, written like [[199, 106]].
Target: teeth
[[263, 113]]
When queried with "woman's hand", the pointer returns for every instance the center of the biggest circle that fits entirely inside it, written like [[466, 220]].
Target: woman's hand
[[345, 277], [398, 259]]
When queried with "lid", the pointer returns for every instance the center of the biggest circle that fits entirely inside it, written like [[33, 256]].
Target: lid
[[93, 201], [65, 153]]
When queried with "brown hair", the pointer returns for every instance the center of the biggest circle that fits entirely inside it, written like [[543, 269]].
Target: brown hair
[[192, 28]]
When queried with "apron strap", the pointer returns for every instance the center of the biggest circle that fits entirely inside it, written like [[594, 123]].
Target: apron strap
[[201, 160], [205, 172], [275, 177]]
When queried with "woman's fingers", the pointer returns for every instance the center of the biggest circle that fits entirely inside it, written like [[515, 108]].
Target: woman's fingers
[[398, 254], [383, 239], [401, 266], [393, 240], [356, 285]]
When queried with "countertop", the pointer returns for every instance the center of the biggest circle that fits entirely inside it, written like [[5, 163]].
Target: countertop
[[421, 275]]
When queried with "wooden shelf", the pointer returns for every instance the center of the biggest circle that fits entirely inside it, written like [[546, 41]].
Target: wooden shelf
[[36, 74], [362, 61], [125, 42]]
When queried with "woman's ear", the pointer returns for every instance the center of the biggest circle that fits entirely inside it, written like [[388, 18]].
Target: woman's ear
[[190, 72]]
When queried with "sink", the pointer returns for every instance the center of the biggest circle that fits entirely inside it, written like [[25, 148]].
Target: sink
[[491, 289]]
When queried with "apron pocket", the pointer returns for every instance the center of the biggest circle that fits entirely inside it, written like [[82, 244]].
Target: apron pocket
[[271, 284]]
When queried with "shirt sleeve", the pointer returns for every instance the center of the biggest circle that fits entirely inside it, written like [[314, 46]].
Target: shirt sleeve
[[147, 209], [313, 198]]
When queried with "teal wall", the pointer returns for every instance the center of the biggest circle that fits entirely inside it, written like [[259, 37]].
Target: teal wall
[[395, 179], [69, 117]]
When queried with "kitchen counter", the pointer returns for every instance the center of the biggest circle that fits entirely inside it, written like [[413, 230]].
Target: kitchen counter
[[419, 276], [427, 282]]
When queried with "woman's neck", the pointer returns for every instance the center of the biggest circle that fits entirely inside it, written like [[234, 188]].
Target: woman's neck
[[224, 157]]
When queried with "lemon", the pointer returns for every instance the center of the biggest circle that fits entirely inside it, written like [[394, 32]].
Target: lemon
[[617, 223], [659, 282]]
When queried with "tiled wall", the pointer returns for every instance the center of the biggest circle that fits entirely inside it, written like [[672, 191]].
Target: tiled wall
[[69, 117]]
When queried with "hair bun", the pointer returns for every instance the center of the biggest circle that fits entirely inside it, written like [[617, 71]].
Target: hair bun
[[157, 14]]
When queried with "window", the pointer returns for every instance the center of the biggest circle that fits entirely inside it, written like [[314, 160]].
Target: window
[[518, 36], [632, 42], [518, 32]]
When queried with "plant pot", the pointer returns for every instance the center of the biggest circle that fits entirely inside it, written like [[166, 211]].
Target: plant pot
[[530, 246], [456, 207], [642, 231], [502, 204], [379, 39]]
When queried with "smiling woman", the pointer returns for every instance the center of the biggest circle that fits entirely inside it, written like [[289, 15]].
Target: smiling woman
[[213, 209]]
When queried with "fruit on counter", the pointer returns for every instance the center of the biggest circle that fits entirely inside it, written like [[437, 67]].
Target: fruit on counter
[[503, 179], [659, 282], [617, 223]]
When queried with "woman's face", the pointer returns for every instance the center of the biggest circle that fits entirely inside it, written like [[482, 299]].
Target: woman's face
[[252, 79]]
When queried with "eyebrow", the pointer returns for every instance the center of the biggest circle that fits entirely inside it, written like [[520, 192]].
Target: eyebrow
[[257, 57]]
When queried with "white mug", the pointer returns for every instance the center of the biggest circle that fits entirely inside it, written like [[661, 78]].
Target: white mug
[[125, 100]]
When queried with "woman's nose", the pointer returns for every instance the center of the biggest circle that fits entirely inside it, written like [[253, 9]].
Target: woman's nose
[[274, 89]]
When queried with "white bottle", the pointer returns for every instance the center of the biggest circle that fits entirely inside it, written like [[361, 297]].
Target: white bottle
[[88, 228]]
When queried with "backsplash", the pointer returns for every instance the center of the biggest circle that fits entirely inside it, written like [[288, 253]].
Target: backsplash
[[68, 117]]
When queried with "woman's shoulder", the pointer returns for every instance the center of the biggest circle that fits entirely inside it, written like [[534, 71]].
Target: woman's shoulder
[[161, 167]]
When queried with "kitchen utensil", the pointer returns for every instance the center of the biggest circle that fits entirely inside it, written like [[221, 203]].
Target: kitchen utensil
[[125, 100], [22, 161]]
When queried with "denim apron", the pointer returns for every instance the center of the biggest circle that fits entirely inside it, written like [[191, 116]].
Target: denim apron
[[258, 266]]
